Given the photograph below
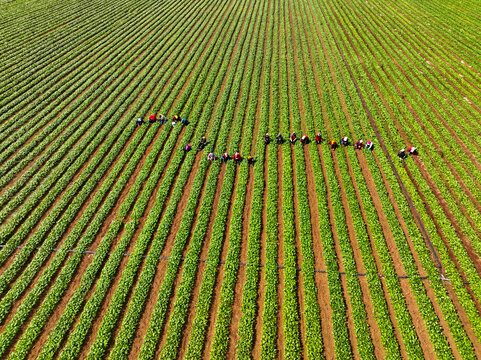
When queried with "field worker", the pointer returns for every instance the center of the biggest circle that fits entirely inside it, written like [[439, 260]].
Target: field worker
[[187, 148], [211, 157], [293, 138], [359, 145], [369, 145], [152, 118], [402, 154], [304, 140], [237, 158], [162, 119], [176, 118], [202, 143], [319, 138], [344, 141], [267, 139], [173, 123], [279, 138], [185, 122], [250, 160], [140, 121], [224, 158], [412, 150], [332, 144]]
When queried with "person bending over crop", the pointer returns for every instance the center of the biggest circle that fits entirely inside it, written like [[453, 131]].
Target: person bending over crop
[[279, 138], [359, 145], [293, 138], [344, 141], [267, 139], [237, 158], [412, 150]]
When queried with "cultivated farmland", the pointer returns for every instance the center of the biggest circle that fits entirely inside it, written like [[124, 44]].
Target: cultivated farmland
[[117, 243]]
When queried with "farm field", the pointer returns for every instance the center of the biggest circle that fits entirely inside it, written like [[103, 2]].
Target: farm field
[[116, 243]]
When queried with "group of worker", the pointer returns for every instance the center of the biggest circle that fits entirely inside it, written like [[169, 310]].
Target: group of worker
[[163, 120], [318, 138], [225, 156], [403, 154], [359, 145], [237, 158]]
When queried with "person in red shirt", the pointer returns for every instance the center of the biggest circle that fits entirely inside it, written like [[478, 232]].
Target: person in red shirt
[[237, 158], [319, 138], [152, 118], [412, 150], [304, 140], [359, 145], [333, 144]]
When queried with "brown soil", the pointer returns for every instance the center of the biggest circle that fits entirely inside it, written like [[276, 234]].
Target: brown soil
[[59, 309], [201, 267], [256, 353], [417, 320], [76, 280], [116, 279], [280, 255], [462, 184], [443, 323], [464, 320], [169, 244], [349, 317], [219, 276], [241, 275]]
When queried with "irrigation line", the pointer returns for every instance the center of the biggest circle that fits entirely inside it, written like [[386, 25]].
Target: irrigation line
[[383, 145], [240, 263]]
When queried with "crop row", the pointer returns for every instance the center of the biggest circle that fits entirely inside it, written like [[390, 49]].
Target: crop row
[[312, 322], [47, 24], [249, 308], [47, 89], [67, 41], [465, 170], [269, 334], [290, 306], [462, 257], [402, 315], [181, 303], [96, 300], [159, 89], [439, 339], [385, 325], [220, 123], [46, 227], [26, 154], [220, 341], [454, 323], [68, 271], [200, 322]]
